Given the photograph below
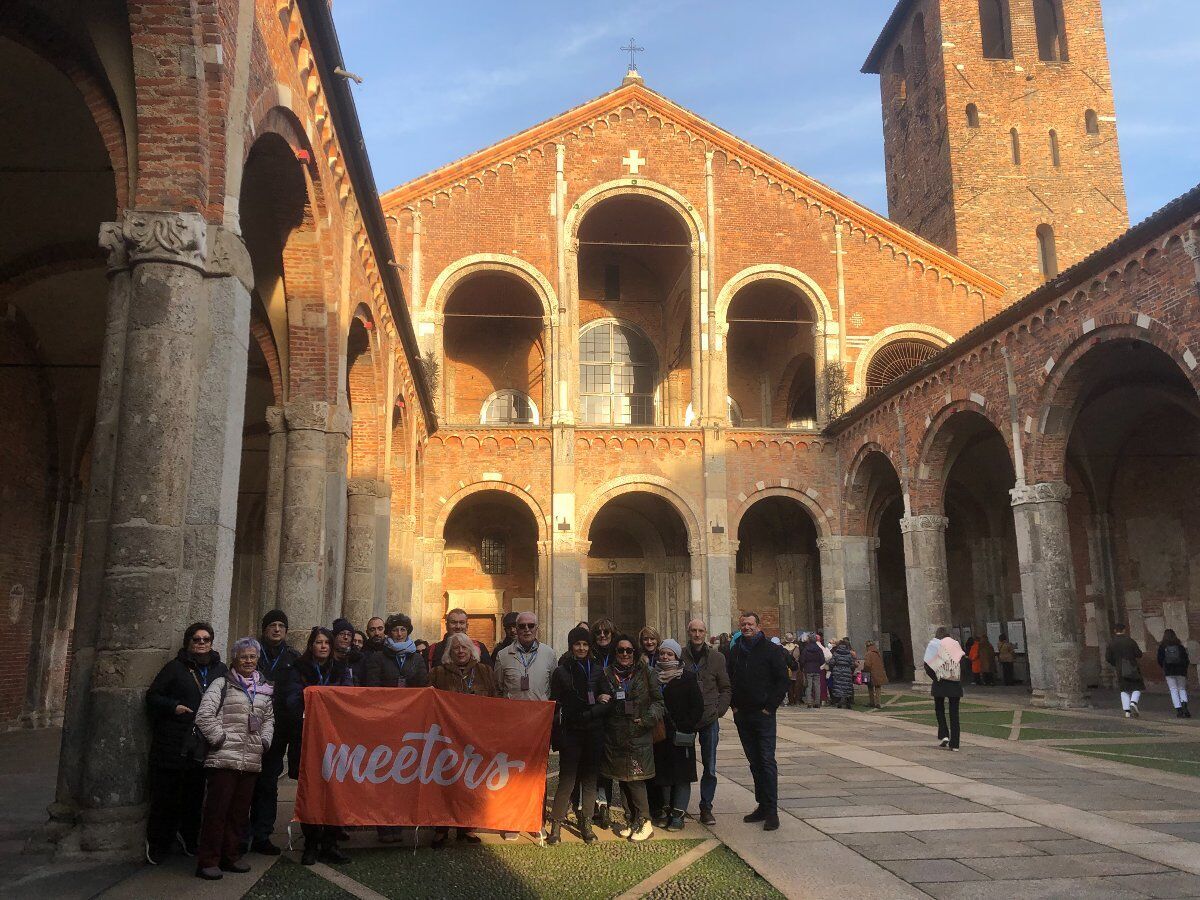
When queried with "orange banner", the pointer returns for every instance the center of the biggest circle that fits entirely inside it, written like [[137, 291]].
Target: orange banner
[[420, 756]]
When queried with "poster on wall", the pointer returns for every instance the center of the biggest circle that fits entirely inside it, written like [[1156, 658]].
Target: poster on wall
[[993, 633], [1016, 634]]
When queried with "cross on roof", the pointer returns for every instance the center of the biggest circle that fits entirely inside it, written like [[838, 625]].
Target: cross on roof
[[632, 49]]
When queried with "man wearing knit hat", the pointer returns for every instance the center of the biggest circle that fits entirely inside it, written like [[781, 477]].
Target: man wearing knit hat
[[274, 663], [343, 647]]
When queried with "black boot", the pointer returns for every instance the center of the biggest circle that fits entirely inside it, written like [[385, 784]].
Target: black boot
[[604, 816], [585, 831], [1187, 713], [311, 851], [758, 815], [675, 822], [331, 854], [706, 816], [555, 835]]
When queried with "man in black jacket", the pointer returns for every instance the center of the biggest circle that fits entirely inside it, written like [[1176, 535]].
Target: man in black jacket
[[759, 677], [274, 663]]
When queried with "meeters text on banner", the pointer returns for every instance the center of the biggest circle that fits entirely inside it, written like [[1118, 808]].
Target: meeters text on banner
[[420, 756]]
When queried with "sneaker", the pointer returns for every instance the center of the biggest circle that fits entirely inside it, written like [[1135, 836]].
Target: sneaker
[[510, 836], [706, 816], [675, 822], [758, 815], [771, 823], [1133, 708], [642, 832], [265, 848], [212, 873], [944, 742], [1127, 714], [624, 831], [955, 750], [154, 856], [660, 819], [236, 866]]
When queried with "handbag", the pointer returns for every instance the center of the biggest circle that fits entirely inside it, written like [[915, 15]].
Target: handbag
[[684, 739], [864, 676]]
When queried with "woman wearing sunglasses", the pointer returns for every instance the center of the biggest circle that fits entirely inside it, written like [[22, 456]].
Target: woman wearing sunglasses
[[636, 707]]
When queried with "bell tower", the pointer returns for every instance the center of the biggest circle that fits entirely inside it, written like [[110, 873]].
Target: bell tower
[[1000, 132]]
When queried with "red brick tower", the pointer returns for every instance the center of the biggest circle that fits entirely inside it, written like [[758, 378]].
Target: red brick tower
[[1000, 132]]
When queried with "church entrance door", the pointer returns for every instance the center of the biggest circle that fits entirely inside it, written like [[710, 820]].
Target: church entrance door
[[621, 598]]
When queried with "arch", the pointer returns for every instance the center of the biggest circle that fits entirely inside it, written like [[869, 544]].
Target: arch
[[908, 330], [1091, 121], [972, 115], [443, 286], [653, 364], [797, 279], [917, 46], [365, 396], [900, 73], [535, 415], [643, 187], [1014, 140], [1051, 35], [1047, 252], [810, 505], [994, 29], [1055, 153], [535, 509], [941, 444], [687, 507]]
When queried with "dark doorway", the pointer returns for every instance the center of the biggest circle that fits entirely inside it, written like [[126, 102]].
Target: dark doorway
[[621, 598]]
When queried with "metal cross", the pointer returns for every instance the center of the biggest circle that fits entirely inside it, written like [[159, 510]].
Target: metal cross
[[632, 49]]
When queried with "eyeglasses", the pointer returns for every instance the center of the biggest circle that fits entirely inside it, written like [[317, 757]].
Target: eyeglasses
[[196, 639], [625, 651], [526, 626], [603, 631]]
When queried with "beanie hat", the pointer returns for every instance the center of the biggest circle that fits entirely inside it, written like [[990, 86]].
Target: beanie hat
[[672, 645], [576, 634], [340, 625], [275, 615]]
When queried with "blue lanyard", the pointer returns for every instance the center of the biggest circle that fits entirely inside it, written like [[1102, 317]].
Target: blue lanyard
[[322, 679], [588, 670], [203, 670], [275, 661], [532, 657]]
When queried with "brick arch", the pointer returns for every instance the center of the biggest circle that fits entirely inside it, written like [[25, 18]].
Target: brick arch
[[365, 394], [685, 506], [820, 520], [642, 187], [1060, 396], [449, 278], [866, 517], [264, 337], [906, 331], [934, 458], [803, 283], [443, 515]]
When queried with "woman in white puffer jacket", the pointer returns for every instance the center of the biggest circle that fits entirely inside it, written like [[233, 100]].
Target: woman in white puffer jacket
[[237, 719]]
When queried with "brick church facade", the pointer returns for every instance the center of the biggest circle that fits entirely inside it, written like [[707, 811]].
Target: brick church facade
[[622, 364]]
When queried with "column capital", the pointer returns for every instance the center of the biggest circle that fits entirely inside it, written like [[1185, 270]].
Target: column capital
[[366, 487], [1044, 492], [155, 236], [340, 421], [833, 542], [306, 415], [431, 545], [695, 547], [909, 524], [228, 257], [275, 420]]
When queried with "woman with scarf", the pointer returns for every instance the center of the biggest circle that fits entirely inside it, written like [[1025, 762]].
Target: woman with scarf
[[841, 674], [943, 664], [177, 749], [628, 755], [649, 639], [237, 719], [317, 667], [398, 664], [675, 756], [576, 687]]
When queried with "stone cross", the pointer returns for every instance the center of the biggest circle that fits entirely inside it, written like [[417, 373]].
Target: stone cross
[[634, 161], [632, 49]]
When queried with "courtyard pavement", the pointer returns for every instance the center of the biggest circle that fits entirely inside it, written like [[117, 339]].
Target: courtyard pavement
[[871, 808]]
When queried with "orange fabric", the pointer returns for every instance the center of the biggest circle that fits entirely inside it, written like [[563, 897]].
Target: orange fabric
[[419, 756], [975, 661]]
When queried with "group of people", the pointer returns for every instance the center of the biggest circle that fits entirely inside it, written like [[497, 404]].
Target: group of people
[[822, 672]]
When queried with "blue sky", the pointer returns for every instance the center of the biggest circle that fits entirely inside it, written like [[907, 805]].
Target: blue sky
[[442, 82]]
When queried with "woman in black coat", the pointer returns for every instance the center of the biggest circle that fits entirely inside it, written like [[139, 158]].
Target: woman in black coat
[[675, 756], [315, 668], [177, 749], [576, 687], [841, 674]]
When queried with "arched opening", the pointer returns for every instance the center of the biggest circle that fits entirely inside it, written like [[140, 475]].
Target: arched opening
[[895, 359], [1051, 34], [1014, 140], [772, 352], [1047, 252], [981, 550], [635, 284], [1133, 464], [493, 346], [491, 560], [778, 566], [1055, 155], [899, 74], [363, 392], [917, 47], [972, 115], [994, 29], [401, 533], [1091, 122], [58, 182], [638, 568]]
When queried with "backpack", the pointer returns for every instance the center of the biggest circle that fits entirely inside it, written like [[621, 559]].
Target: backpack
[[1173, 654]]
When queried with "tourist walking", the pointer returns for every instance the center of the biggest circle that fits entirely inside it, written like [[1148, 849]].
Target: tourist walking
[[274, 663], [1173, 660], [841, 674], [758, 677], [1006, 653], [237, 719], [628, 756], [943, 664], [812, 662], [708, 665], [456, 623], [675, 754], [177, 748], [398, 664], [1123, 654], [874, 673], [316, 667], [576, 687]]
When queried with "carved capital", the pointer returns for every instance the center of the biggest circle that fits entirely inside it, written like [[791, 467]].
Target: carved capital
[[694, 547], [228, 257], [339, 421], [910, 524], [1044, 492], [275, 420], [113, 243], [434, 546], [306, 415], [359, 487], [151, 236]]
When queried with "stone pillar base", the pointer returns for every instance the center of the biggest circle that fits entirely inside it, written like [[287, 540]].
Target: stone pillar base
[[1056, 700], [116, 832]]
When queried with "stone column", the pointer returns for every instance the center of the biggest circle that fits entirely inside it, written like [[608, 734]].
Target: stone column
[[543, 602], [862, 593], [302, 546], [1048, 584], [697, 568], [833, 588], [717, 610], [273, 511], [358, 602], [928, 588], [383, 536], [433, 592]]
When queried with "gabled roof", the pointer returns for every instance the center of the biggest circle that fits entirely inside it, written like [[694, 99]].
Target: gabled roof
[[874, 63], [718, 138]]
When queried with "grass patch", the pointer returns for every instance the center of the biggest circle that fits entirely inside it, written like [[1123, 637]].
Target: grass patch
[[1059, 734], [718, 875], [286, 880], [522, 871], [1182, 759], [967, 724]]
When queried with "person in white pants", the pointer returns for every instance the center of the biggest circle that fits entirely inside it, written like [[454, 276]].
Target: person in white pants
[[1123, 654], [1173, 660]]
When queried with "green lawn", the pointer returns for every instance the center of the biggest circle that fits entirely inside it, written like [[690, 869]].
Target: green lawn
[[718, 875], [1182, 759], [286, 880]]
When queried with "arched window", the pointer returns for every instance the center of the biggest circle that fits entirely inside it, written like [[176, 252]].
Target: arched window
[[617, 372], [1047, 252], [735, 412], [972, 115], [900, 74], [1014, 137], [895, 359], [1051, 38], [508, 408], [493, 556], [1055, 157], [1091, 122], [993, 25], [917, 40]]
